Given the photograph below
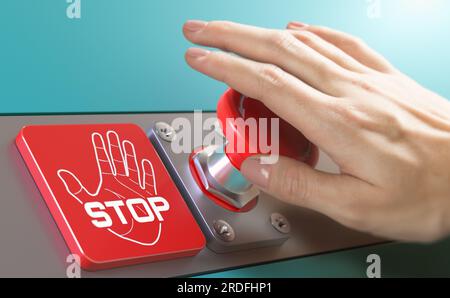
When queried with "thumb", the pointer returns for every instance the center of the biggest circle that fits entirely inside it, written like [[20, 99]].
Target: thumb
[[73, 185], [297, 183]]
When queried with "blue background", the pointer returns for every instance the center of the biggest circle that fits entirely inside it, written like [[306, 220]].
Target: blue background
[[125, 56], [128, 55]]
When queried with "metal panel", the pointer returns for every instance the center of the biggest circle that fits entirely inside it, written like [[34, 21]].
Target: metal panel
[[32, 246], [252, 229]]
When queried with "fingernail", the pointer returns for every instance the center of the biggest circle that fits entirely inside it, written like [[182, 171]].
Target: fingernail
[[256, 172], [195, 25], [297, 25], [197, 52]]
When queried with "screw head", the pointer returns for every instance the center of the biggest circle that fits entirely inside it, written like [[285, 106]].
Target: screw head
[[280, 223], [224, 231], [165, 131]]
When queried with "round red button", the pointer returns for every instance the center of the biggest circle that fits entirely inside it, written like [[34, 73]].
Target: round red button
[[233, 107]]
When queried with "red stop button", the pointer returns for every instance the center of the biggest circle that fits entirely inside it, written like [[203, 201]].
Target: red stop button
[[110, 194], [239, 115]]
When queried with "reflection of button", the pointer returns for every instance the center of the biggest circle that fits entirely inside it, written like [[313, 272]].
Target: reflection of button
[[292, 143]]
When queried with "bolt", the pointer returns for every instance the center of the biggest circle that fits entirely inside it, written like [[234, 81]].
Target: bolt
[[165, 131], [280, 223], [224, 231]]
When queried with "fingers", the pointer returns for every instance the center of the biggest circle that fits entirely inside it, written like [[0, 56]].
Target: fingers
[[350, 45], [148, 177], [276, 47], [116, 153], [104, 159], [121, 160], [290, 98], [336, 196], [73, 186], [330, 51], [132, 166], [101, 154]]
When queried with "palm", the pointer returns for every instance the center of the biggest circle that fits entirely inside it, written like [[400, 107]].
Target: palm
[[121, 177]]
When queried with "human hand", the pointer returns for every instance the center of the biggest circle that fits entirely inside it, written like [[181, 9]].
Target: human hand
[[389, 136]]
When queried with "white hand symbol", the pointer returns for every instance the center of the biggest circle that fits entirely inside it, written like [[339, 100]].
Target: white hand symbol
[[121, 177]]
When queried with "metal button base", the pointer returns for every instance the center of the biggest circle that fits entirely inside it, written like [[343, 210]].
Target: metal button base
[[226, 230], [222, 179]]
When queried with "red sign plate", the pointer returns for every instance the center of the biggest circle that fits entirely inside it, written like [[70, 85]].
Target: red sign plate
[[110, 194]]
